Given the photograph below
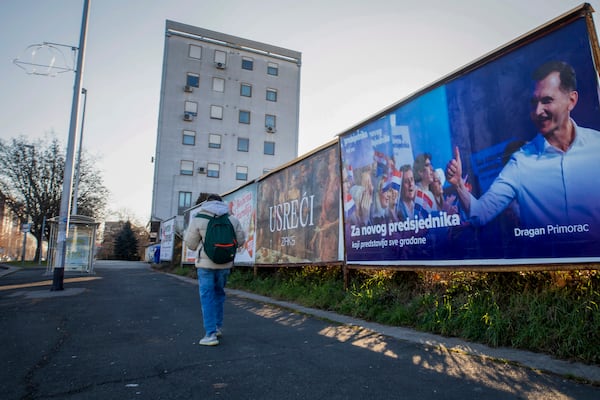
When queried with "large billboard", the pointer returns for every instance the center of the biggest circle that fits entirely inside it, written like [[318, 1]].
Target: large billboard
[[188, 256], [167, 239], [242, 204], [298, 212], [497, 164]]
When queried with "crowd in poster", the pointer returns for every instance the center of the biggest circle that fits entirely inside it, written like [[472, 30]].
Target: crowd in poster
[[298, 212], [499, 164]]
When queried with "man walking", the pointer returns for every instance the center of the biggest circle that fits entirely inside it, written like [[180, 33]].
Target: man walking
[[212, 276]]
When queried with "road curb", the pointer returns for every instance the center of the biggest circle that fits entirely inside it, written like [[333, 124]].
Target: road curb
[[7, 269]]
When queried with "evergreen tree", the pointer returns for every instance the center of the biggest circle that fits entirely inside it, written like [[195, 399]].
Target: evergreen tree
[[126, 244]]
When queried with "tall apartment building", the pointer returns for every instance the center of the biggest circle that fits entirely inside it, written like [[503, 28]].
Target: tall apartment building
[[229, 112]]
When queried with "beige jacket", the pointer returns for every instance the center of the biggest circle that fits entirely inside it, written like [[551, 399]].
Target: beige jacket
[[197, 230]]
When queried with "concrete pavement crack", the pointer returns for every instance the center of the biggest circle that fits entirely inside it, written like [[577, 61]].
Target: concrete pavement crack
[[32, 388]]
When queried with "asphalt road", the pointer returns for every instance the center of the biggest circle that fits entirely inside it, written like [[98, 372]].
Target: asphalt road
[[128, 332]]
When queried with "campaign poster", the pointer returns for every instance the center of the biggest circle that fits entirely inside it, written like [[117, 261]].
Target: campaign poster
[[188, 256], [79, 247], [242, 205], [525, 132], [298, 212], [167, 239]]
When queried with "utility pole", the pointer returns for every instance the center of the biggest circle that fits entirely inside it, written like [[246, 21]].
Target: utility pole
[[78, 170], [65, 203]]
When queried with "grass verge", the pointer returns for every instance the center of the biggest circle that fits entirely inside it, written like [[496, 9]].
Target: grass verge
[[556, 313]]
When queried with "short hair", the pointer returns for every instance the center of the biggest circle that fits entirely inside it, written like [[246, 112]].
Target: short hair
[[568, 78], [419, 164], [214, 197], [405, 167]]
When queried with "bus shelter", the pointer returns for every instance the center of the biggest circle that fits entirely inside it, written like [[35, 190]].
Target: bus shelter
[[81, 244]]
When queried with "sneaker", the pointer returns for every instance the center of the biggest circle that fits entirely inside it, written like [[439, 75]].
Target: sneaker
[[209, 340], [219, 332]]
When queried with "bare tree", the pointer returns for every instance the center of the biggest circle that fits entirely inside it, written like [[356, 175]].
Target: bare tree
[[126, 214], [31, 177]]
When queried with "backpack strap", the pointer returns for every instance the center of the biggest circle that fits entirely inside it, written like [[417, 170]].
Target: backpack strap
[[206, 216]]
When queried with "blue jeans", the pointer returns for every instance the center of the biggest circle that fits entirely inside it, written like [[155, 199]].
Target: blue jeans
[[211, 283]]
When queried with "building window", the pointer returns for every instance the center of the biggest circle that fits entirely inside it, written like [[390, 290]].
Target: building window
[[218, 84], [192, 80], [271, 95], [243, 144], [270, 148], [245, 90], [213, 170], [270, 122], [247, 63], [190, 108], [272, 69], [185, 201], [244, 117], [214, 141], [189, 138], [186, 167], [216, 112], [241, 173], [220, 58], [195, 51]]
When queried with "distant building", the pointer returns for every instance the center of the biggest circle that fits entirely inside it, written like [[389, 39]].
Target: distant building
[[228, 114], [11, 235]]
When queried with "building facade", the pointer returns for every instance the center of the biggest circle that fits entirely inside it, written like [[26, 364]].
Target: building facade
[[229, 112], [11, 236]]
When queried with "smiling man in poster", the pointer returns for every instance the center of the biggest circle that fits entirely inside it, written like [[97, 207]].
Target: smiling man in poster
[[554, 178]]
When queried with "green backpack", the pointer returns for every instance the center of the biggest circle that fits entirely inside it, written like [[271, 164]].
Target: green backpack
[[219, 242]]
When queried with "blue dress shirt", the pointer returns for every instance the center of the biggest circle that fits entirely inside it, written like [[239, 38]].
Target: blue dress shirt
[[551, 187]]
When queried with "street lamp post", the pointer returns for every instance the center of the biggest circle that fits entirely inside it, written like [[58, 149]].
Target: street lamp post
[[65, 202], [78, 164], [41, 244], [25, 229]]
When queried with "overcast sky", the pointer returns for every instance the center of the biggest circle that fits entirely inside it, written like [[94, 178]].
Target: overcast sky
[[358, 57]]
